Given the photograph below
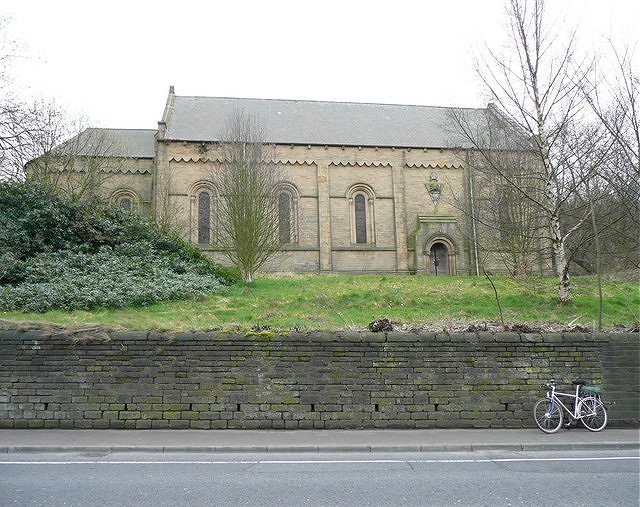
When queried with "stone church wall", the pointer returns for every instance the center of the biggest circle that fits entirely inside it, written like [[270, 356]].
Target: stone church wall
[[394, 205], [405, 217], [374, 261]]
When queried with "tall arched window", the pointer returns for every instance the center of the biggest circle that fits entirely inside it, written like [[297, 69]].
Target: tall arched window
[[204, 218], [360, 218], [203, 213], [284, 217], [361, 201], [287, 200]]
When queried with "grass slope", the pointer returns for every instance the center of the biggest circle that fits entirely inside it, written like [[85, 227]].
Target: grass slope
[[338, 302]]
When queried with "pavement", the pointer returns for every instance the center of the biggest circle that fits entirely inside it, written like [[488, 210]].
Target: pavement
[[317, 441]]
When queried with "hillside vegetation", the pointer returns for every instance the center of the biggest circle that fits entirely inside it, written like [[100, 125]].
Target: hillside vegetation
[[328, 302], [75, 263]]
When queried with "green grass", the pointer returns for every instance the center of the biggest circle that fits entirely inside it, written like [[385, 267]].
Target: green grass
[[344, 302]]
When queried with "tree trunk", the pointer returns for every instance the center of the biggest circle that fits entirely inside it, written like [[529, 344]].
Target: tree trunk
[[561, 261], [557, 241], [597, 245], [564, 289]]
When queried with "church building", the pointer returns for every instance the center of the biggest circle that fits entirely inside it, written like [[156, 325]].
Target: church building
[[368, 188]]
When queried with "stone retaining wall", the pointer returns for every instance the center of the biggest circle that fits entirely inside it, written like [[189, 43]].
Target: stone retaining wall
[[316, 380]]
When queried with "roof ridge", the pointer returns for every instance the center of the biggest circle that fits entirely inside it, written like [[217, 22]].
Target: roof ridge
[[327, 102]]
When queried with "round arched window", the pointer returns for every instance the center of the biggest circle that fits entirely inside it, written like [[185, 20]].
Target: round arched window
[[284, 217], [204, 218], [360, 204], [126, 204]]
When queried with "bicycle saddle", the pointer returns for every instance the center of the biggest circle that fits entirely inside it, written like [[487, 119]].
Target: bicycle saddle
[[579, 382]]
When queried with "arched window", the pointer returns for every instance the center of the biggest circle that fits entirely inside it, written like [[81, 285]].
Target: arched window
[[126, 200], [284, 217], [360, 218], [126, 205], [287, 200], [203, 213], [361, 201], [204, 218]]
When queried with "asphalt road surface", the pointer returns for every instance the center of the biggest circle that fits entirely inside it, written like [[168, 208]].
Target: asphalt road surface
[[158, 479]]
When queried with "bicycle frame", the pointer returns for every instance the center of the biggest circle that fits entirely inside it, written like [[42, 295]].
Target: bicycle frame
[[555, 398]]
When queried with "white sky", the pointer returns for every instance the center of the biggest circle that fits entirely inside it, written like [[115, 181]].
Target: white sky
[[114, 61]]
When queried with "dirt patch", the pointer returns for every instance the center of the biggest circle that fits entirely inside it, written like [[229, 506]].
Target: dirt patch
[[89, 333], [380, 325], [516, 327]]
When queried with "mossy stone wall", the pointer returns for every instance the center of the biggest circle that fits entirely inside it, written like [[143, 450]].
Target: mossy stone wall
[[213, 380]]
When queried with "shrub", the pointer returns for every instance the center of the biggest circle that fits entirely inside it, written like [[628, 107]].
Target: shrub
[[70, 280], [34, 219], [57, 252]]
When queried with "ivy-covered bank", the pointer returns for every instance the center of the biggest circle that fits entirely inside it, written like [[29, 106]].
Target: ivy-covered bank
[[99, 379]]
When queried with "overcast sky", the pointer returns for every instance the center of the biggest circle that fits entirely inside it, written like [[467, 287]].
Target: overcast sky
[[114, 61]]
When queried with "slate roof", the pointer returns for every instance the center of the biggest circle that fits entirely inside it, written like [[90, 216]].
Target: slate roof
[[136, 143], [318, 123]]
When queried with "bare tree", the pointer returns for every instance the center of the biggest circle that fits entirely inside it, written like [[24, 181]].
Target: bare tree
[[7, 49], [14, 135], [509, 227], [80, 165], [614, 98], [28, 132], [25, 129], [247, 209], [598, 252], [38, 141], [536, 87]]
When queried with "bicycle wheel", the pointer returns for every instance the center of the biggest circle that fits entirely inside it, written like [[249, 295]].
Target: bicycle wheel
[[548, 419], [592, 413]]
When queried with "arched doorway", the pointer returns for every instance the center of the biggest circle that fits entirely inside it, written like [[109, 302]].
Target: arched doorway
[[440, 255], [439, 259]]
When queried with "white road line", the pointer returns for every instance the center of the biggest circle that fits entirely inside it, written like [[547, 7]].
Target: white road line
[[326, 462], [129, 463], [599, 458]]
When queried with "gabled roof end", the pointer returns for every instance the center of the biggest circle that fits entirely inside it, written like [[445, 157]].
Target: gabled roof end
[[166, 115]]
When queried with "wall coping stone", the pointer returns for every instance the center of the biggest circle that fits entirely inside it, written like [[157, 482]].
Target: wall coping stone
[[103, 335]]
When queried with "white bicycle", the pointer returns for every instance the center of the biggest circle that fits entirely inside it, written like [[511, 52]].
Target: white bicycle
[[587, 408]]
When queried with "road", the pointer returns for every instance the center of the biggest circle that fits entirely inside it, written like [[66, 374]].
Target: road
[[158, 479]]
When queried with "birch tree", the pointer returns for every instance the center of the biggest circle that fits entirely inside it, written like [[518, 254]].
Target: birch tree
[[536, 86]]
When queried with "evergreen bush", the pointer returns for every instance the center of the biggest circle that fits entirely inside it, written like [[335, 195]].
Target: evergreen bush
[[57, 252]]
